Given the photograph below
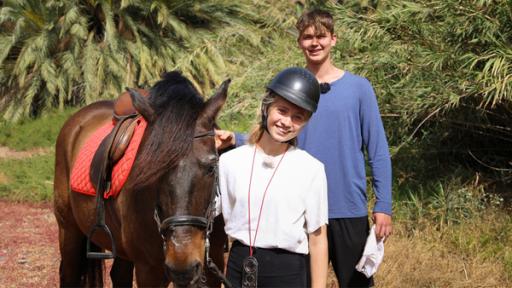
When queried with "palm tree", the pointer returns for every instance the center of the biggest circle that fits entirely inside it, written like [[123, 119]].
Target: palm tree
[[59, 52]]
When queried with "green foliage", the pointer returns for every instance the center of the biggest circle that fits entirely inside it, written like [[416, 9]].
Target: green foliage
[[442, 71], [58, 53], [252, 66], [28, 179], [32, 133]]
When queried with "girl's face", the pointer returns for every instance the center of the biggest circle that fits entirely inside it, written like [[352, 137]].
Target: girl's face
[[285, 119]]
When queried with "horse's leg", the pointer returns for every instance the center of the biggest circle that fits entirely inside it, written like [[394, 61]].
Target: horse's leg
[[75, 269], [122, 273], [217, 240], [151, 276], [72, 251]]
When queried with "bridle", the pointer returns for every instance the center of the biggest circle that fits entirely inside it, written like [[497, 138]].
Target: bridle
[[201, 222], [170, 223]]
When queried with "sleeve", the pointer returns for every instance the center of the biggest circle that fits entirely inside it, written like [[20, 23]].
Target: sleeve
[[221, 187], [316, 201], [240, 139], [374, 139]]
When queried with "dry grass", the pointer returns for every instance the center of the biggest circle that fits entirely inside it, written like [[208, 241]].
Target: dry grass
[[3, 178], [417, 263], [426, 260]]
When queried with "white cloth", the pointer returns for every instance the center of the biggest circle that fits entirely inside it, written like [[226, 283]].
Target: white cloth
[[295, 205], [372, 255]]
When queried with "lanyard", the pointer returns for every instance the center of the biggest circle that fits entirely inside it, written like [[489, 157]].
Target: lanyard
[[251, 242]]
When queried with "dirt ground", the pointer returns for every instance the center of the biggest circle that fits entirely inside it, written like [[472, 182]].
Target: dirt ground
[[7, 153], [29, 250], [28, 246]]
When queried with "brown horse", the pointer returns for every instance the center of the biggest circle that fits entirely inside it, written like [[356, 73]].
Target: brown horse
[[172, 179]]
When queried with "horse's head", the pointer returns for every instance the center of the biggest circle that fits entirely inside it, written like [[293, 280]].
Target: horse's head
[[184, 171]]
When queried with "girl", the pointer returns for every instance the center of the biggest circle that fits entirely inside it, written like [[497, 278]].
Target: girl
[[274, 195]]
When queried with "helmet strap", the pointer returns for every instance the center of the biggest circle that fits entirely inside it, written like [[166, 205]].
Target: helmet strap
[[264, 119]]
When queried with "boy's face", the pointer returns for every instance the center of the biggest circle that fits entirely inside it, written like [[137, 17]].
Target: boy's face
[[316, 45]]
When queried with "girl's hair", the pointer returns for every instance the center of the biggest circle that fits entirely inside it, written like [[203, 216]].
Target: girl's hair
[[258, 129], [321, 20]]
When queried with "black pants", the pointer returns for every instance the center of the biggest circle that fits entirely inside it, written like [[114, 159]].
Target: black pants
[[276, 267], [347, 238]]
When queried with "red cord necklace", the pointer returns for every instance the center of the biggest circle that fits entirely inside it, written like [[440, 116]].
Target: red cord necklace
[[251, 242]]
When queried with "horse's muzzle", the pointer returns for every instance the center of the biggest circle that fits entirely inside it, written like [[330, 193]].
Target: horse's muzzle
[[187, 278], [184, 257]]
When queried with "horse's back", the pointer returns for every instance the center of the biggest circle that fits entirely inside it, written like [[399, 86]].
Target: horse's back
[[72, 136]]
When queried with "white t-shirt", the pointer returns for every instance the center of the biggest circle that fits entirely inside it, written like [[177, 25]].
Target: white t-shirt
[[295, 204]]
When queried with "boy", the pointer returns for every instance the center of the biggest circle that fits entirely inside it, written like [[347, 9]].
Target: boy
[[347, 123]]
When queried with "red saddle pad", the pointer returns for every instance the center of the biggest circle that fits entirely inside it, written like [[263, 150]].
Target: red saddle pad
[[80, 180]]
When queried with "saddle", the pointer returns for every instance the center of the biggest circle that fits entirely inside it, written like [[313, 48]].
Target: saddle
[[114, 145], [110, 150]]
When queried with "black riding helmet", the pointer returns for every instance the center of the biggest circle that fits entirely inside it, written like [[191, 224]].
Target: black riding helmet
[[298, 86]]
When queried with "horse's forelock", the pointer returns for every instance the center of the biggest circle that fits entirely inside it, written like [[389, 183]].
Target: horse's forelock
[[177, 105], [173, 89]]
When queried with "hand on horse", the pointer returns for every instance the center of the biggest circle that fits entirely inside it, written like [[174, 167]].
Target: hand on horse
[[224, 139], [383, 225]]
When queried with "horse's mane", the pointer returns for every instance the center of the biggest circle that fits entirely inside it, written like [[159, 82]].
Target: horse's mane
[[177, 105]]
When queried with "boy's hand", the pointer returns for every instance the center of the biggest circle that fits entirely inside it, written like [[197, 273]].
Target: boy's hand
[[383, 226], [224, 139]]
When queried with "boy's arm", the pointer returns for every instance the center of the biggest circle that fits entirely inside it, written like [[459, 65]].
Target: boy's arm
[[374, 138]]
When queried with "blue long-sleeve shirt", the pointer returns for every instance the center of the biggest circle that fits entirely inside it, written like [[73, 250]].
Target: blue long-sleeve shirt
[[346, 123]]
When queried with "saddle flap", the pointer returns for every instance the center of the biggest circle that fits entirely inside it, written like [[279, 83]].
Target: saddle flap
[[111, 149], [122, 139]]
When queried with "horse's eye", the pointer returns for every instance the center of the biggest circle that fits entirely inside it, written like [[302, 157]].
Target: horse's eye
[[210, 164], [211, 169]]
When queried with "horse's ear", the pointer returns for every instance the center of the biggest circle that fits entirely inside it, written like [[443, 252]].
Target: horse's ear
[[215, 103], [141, 104]]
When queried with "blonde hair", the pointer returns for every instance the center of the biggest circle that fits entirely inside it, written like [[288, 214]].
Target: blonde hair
[[259, 128]]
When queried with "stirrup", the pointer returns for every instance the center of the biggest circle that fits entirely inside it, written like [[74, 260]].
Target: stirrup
[[100, 255]]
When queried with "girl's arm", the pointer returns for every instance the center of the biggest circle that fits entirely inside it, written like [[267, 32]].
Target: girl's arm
[[319, 258]]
